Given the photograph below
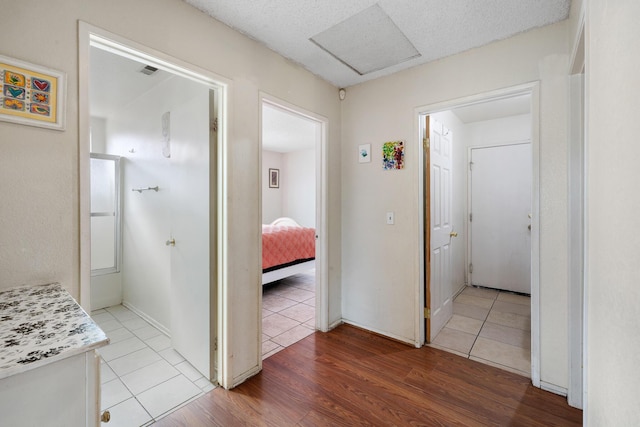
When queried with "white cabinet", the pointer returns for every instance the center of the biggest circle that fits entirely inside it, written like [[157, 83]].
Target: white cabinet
[[64, 393], [49, 369]]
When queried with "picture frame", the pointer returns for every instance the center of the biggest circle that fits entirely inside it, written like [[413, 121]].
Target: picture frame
[[274, 178], [31, 94], [393, 155], [364, 153]]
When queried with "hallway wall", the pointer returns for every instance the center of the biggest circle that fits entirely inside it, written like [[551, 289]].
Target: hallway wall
[[387, 300]]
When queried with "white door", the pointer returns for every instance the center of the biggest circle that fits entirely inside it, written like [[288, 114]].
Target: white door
[[190, 253], [440, 286], [500, 217]]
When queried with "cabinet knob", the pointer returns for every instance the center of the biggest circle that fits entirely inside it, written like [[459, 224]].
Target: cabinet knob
[[106, 417]]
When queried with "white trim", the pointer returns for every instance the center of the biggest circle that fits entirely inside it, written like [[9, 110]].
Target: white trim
[[532, 88], [576, 248], [553, 388], [148, 318], [322, 254], [585, 302], [89, 36], [577, 62], [535, 236], [380, 332], [245, 376]]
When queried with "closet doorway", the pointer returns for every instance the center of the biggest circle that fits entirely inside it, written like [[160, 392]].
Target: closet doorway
[[292, 223], [490, 321]]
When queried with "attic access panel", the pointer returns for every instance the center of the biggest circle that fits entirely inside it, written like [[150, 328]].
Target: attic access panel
[[368, 41]]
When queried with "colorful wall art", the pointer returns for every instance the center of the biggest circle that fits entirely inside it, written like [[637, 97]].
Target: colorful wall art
[[393, 155], [30, 94]]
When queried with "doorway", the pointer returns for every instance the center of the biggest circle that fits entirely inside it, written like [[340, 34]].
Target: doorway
[[161, 121], [490, 119], [292, 224], [500, 217]]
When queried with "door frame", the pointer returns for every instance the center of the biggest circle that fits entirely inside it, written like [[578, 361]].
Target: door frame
[[322, 255], [532, 89], [89, 35]]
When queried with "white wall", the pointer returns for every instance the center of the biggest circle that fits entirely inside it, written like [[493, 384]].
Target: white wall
[[98, 134], [299, 182], [146, 217], [271, 197], [500, 131], [296, 197], [613, 203], [381, 266], [39, 216]]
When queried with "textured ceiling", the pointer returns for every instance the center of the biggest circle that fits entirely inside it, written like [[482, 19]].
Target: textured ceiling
[[436, 28]]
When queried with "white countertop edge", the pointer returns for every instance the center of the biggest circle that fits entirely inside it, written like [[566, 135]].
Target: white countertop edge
[[19, 369]]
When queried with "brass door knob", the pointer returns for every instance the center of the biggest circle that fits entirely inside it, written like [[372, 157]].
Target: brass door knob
[[106, 417], [453, 234], [171, 242]]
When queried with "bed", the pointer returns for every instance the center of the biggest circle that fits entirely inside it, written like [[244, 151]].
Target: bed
[[287, 249]]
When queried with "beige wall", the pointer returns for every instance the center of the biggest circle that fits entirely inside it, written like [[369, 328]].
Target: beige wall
[[39, 213], [380, 262], [613, 203]]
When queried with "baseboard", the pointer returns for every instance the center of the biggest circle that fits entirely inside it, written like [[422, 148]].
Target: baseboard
[[334, 325], [148, 319], [245, 376], [403, 340], [562, 391]]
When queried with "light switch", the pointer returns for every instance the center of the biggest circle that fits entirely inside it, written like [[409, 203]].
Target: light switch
[[390, 218]]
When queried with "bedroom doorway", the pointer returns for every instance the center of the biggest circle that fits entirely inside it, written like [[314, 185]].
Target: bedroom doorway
[[292, 143]]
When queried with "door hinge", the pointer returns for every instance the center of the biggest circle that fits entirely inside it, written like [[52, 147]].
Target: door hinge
[[214, 125], [470, 217], [427, 313], [215, 344], [426, 143], [470, 165], [470, 268]]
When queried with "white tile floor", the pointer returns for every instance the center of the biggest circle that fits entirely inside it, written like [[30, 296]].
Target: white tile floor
[[143, 378], [288, 312], [490, 326]]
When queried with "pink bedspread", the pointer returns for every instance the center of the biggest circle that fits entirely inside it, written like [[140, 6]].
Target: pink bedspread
[[284, 245]]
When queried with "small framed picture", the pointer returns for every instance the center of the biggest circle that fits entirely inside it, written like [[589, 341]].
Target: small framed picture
[[31, 94], [274, 178], [364, 153]]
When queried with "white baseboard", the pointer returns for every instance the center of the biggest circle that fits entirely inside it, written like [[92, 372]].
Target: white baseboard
[[385, 334], [148, 319], [245, 376], [562, 391]]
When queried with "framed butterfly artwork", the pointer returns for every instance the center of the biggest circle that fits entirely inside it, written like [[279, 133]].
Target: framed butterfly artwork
[[31, 94]]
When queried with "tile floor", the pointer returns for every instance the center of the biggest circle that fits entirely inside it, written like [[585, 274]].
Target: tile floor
[[492, 327], [143, 378], [288, 312]]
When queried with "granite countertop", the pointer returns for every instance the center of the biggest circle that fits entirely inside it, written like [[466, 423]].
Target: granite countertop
[[41, 325]]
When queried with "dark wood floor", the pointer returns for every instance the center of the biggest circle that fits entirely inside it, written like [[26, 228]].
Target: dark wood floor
[[351, 377]]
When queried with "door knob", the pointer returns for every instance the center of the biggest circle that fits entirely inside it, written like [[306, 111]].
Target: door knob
[[453, 234], [106, 417], [171, 242]]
